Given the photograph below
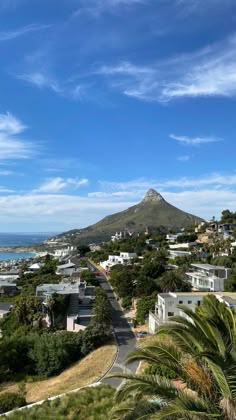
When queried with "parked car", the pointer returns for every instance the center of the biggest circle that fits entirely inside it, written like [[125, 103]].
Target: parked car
[[142, 334]]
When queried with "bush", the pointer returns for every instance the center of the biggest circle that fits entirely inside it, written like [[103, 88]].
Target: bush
[[9, 400], [127, 302], [160, 370]]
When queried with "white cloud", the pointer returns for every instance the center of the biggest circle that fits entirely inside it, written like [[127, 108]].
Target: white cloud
[[193, 141], [76, 211], [5, 190], [40, 80], [204, 196], [12, 147], [207, 72], [97, 7], [6, 173], [184, 158], [138, 187], [10, 124], [43, 80], [54, 185], [10, 35]]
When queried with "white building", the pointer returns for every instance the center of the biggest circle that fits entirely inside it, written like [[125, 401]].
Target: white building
[[66, 269], [167, 305], [172, 238], [35, 267], [81, 296], [124, 258], [207, 277], [63, 252], [184, 245], [176, 253]]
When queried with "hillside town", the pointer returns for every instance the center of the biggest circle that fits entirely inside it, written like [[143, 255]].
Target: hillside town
[[80, 298]]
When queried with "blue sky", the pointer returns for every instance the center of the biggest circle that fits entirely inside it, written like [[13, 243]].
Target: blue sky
[[103, 99]]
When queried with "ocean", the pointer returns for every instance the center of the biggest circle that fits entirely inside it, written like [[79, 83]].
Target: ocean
[[21, 239]]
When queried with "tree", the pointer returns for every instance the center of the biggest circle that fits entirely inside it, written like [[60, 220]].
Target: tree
[[172, 281], [89, 277], [153, 269], [230, 284], [200, 349], [102, 314], [144, 305], [145, 286], [83, 249], [28, 310]]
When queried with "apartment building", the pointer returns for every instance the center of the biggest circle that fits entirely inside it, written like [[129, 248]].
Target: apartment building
[[167, 305], [207, 277]]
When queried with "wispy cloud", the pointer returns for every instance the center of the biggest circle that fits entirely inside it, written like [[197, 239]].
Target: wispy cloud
[[19, 32], [6, 173], [41, 80], [54, 185], [67, 89], [184, 158], [193, 141], [207, 72], [138, 187], [98, 7], [11, 146], [5, 190]]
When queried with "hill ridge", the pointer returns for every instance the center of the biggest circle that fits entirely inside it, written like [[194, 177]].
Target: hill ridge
[[153, 212]]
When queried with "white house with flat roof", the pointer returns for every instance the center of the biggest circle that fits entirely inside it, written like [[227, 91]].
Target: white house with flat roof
[[124, 258], [66, 269], [176, 253], [167, 305], [207, 277]]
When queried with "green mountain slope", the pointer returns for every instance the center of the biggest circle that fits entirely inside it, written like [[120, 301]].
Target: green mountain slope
[[152, 212]]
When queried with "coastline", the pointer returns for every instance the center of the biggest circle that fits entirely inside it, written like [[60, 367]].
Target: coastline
[[17, 249]]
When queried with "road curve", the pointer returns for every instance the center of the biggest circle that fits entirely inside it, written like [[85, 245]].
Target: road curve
[[124, 335]]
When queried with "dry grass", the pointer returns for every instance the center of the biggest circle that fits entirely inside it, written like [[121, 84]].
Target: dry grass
[[82, 373]]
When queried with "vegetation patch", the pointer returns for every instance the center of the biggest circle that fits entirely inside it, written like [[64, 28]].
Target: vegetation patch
[[87, 404], [85, 372]]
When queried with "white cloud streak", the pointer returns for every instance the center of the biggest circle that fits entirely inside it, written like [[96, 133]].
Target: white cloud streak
[[19, 32], [41, 80], [205, 73], [54, 185], [193, 141], [184, 158], [97, 7], [12, 147]]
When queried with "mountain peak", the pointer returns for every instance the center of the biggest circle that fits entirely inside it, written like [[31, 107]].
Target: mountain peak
[[152, 196]]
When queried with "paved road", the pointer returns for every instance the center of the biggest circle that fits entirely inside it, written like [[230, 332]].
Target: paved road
[[124, 335]]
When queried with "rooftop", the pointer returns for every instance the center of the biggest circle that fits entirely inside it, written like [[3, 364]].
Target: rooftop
[[176, 294], [208, 266]]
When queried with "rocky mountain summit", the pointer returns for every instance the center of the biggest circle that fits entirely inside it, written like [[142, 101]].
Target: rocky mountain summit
[[152, 196], [153, 212]]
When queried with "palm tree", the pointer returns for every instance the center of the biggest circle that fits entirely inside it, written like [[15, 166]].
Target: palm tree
[[51, 302], [200, 349]]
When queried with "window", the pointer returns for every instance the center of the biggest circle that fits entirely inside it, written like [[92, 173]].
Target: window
[[189, 302], [180, 302], [198, 303], [170, 313]]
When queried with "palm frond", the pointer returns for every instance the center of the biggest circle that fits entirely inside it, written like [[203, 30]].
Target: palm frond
[[130, 410], [153, 386], [188, 407]]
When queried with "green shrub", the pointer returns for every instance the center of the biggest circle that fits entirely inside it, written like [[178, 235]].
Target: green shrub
[[127, 302], [160, 370], [9, 400]]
